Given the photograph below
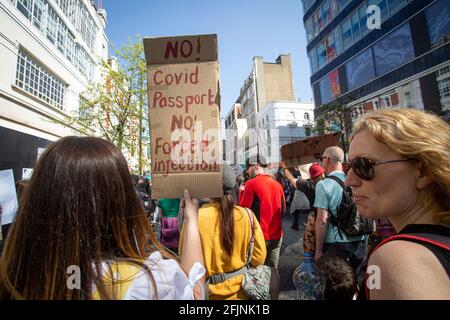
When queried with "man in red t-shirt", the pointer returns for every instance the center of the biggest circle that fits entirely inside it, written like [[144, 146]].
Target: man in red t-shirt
[[265, 196]]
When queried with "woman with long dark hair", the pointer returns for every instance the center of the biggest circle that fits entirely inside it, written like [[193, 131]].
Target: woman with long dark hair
[[81, 233], [225, 230]]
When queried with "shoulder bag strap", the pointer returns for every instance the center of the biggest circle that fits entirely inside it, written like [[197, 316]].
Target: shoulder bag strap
[[334, 218], [252, 238], [221, 277]]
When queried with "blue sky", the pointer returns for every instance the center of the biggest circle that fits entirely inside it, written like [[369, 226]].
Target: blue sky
[[245, 29]]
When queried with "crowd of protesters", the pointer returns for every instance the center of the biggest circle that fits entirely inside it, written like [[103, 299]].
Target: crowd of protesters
[[82, 208]]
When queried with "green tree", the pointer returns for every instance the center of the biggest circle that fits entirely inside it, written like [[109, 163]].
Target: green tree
[[115, 108]]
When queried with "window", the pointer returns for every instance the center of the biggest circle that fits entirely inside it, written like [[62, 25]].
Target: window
[[315, 24], [376, 105], [329, 87], [395, 5], [393, 50], [355, 26], [313, 61], [25, 6], [39, 11], [321, 54], [291, 115], [444, 88], [334, 8], [321, 18], [326, 13], [79, 15], [36, 80], [70, 47], [382, 5], [438, 22], [309, 29], [319, 26], [62, 34], [342, 4], [360, 69], [38, 14], [306, 116], [443, 71], [52, 24], [346, 32], [337, 39], [385, 102], [331, 47], [363, 19]]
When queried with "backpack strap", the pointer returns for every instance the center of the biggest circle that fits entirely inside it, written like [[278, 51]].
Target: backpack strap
[[334, 219], [339, 181], [433, 239]]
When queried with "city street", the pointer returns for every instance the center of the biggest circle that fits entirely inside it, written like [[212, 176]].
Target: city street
[[111, 111], [290, 256]]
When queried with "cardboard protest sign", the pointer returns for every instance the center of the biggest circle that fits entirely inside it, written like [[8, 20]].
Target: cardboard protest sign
[[307, 150], [8, 197], [184, 116]]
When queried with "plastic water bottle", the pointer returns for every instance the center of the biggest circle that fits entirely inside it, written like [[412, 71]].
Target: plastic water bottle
[[309, 280]]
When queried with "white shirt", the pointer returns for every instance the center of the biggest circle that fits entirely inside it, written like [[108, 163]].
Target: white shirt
[[170, 280]]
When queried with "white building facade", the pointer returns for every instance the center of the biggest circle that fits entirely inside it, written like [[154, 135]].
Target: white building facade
[[266, 114], [280, 123], [50, 50]]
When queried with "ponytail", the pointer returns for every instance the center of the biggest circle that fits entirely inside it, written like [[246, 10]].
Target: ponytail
[[226, 223]]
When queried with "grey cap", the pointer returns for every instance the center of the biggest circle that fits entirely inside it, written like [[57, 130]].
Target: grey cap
[[228, 177]]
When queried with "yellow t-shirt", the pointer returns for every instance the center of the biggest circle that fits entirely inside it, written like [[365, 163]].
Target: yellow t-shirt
[[216, 261]]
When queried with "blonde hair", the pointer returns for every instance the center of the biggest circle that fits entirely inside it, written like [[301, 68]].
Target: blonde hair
[[418, 135]]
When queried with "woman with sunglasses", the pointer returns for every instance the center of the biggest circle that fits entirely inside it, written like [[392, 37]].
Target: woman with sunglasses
[[400, 170]]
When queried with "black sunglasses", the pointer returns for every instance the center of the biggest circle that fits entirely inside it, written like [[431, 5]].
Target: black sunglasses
[[364, 168]]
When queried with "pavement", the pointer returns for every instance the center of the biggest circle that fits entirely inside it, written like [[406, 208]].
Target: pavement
[[290, 256]]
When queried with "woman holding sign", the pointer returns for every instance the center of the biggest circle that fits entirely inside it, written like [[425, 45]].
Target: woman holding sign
[[81, 233], [226, 231]]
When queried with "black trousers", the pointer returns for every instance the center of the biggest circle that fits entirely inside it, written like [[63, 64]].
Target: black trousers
[[297, 214]]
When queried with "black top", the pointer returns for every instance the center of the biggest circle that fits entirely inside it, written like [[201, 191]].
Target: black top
[[432, 232], [435, 233], [309, 189]]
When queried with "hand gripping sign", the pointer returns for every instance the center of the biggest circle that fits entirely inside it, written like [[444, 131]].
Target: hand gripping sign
[[184, 116]]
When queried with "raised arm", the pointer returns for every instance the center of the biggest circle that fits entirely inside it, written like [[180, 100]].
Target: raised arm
[[191, 243], [288, 174]]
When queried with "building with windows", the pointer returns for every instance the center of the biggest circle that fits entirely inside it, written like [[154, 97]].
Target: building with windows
[[266, 115], [404, 63], [50, 50], [280, 123]]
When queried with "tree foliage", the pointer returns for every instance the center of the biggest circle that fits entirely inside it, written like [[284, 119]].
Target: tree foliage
[[114, 108]]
